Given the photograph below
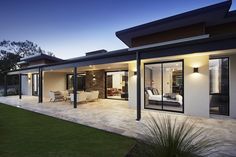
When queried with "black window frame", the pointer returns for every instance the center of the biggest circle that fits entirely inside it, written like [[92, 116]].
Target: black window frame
[[67, 80], [161, 63], [228, 112], [126, 99]]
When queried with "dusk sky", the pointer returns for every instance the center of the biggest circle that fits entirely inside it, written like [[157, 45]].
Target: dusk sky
[[69, 28]]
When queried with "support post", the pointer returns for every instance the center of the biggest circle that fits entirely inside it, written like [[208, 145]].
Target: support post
[[138, 64], [75, 85], [40, 85], [20, 94], [5, 85]]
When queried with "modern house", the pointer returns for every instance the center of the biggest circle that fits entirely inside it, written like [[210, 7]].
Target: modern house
[[184, 63]]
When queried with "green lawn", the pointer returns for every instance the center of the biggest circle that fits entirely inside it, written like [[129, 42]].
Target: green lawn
[[27, 134]]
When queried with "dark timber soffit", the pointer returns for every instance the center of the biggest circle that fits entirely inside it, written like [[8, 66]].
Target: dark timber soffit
[[203, 15]]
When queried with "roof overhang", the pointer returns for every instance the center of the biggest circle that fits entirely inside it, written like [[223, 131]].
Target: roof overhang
[[211, 15], [198, 45], [40, 56]]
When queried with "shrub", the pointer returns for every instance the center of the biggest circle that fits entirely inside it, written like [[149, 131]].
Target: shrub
[[164, 137]]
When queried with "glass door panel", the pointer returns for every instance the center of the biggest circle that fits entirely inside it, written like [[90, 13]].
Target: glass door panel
[[81, 82], [117, 85], [173, 86], [164, 86], [153, 86]]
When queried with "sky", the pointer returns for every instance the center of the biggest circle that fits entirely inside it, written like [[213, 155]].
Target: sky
[[70, 28]]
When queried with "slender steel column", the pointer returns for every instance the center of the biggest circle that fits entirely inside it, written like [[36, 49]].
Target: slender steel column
[[40, 85], [20, 94], [75, 85], [5, 85], [138, 86]]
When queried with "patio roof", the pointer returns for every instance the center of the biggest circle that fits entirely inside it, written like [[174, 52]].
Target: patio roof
[[198, 45]]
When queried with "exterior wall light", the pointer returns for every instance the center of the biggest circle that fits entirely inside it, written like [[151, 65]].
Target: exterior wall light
[[94, 78], [29, 77], [195, 70]]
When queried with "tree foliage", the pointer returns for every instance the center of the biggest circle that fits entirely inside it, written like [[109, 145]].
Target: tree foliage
[[12, 51]]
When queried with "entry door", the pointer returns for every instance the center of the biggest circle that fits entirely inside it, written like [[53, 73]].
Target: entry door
[[219, 86], [35, 84]]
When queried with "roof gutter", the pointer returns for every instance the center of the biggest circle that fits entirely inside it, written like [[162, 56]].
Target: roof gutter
[[169, 42]]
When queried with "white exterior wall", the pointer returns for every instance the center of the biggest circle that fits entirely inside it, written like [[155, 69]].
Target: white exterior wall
[[196, 86], [26, 85], [132, 86], [53, 82], [232, 86]]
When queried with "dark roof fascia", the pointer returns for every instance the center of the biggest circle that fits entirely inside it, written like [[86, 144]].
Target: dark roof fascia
[[116, 53], [177, 20], [22, 69], [97, 56], [42, 56], [231, 39], [224, 42]]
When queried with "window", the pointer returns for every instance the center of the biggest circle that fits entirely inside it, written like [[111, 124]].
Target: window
[[219, 86], [81, 82], [117, 85], [164, 86]]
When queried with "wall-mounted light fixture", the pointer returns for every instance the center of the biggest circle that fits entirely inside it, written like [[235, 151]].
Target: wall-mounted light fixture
[[29, 77], [94, 77], [195, 70], [135, 72]]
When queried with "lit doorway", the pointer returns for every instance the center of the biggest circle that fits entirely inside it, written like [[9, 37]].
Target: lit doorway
[[117, 85]]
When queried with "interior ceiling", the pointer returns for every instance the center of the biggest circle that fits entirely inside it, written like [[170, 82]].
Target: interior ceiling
[[106, 67]]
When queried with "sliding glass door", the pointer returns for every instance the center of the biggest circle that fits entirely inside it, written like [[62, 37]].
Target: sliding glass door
[[164, 86], [117, 85], [219, 86]]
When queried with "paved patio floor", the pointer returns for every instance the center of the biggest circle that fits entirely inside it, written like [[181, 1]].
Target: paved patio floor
[[115, 116]]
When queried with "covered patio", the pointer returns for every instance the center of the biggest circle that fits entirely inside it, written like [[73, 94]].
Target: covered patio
[[115, 116]]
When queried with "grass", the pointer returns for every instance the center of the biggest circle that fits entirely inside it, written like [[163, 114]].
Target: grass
[[27, 134]]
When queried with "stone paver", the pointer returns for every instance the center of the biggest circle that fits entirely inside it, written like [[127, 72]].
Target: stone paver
[[115, 116]]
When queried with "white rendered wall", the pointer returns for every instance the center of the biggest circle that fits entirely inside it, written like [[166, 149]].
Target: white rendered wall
[[26, 88], [132, 86], [232, 87], [53, 82], [196, 86]]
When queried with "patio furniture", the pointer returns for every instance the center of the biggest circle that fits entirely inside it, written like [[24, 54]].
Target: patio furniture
[[92, 96], [65, 94], [55, 96], [81, 97]]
